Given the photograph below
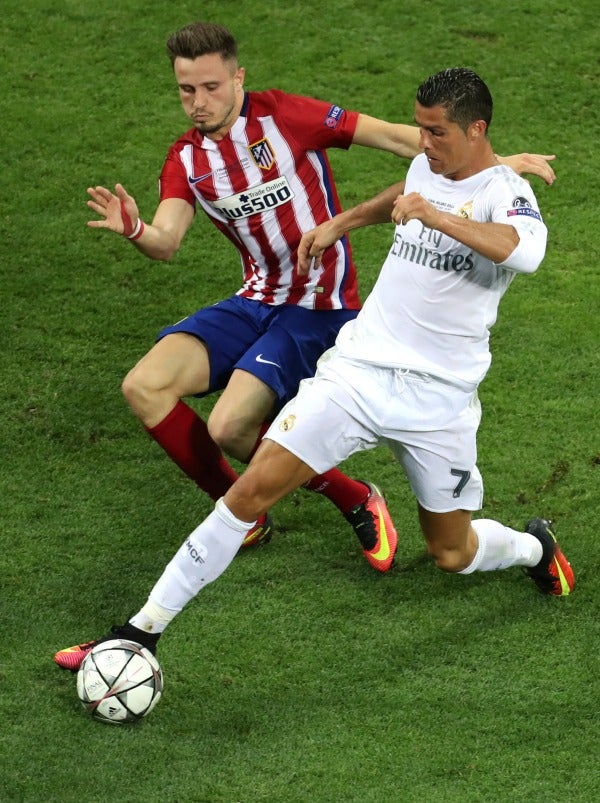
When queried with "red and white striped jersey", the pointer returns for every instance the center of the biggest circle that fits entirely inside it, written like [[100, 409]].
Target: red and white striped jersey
[[264, 184]]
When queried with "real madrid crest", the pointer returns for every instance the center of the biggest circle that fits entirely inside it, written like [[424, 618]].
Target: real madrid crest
[[466, 210], [287, 423]]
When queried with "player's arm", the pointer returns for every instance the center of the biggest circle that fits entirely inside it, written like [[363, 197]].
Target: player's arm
[[368, 213], [398, 138], [404, 141], [172, 219], [499, 242], [533, 164], [119, 213]]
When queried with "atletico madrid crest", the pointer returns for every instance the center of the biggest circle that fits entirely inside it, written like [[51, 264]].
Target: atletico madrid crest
[[262, 153]]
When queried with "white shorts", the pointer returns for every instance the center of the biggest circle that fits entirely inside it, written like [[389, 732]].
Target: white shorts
[[430, 426]]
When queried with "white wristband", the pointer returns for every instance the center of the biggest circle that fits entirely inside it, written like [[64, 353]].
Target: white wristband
[[137, 232]]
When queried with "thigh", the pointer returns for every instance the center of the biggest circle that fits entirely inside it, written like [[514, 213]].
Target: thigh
[[178, 362], [246, 400], [227, 330], [290, 348]]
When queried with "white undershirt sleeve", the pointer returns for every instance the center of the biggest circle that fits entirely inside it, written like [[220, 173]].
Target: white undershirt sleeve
[[529, 253]]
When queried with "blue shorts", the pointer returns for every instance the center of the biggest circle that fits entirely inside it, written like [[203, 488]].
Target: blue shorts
[[278, 344]]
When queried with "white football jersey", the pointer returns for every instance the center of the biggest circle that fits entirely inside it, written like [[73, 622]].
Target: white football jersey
[[436, 299]]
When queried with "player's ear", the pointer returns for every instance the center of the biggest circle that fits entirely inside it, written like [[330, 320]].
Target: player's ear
[[239, 77], [477, 129]]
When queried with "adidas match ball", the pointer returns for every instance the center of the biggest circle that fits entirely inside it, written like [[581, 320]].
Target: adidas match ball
[[119, 681]]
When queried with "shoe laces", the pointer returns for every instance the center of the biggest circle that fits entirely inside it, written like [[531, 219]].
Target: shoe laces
[[364, 526]]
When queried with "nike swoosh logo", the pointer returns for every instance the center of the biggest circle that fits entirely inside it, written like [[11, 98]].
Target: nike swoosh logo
[[561, 576], [201, 178], [384, 551], [564, 583], [260, 358]]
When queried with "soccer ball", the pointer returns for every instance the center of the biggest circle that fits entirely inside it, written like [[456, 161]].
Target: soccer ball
[[119, 681]]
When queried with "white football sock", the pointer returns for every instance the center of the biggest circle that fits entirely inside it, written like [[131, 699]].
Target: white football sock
[[500, 547], [204, 555]]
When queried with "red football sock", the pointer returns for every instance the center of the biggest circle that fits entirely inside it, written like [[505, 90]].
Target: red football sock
[[343, 491], [184, 437]]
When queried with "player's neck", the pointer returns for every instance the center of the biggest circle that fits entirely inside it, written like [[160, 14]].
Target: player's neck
[[480, 160]]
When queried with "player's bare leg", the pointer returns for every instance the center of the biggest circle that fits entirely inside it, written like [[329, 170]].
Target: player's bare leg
[[237, 422], [178, 366], [175, 367], [273, 473], [450, 538], [237, 418], [458, 544]]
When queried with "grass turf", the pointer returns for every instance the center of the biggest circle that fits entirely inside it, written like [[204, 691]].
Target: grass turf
[[300, 675]]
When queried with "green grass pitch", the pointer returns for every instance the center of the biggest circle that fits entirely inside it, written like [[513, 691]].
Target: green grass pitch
[[300, 675]]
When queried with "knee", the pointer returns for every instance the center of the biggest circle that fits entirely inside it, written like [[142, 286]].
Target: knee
[[144, 398], [132, 387], [450, 538], [249, 497], [450, 559], [236, 436], [226, 434]]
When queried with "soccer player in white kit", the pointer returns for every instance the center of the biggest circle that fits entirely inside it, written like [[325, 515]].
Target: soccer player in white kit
[[405, 371]]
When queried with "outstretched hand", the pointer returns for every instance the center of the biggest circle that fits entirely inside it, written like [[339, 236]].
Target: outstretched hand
[[118, 210], [534, 164]]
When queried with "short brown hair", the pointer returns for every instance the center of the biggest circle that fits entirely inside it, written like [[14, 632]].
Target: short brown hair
[[199, 39]]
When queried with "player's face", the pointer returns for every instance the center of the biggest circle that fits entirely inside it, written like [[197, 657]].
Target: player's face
[[211, 92], [445, 144]]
